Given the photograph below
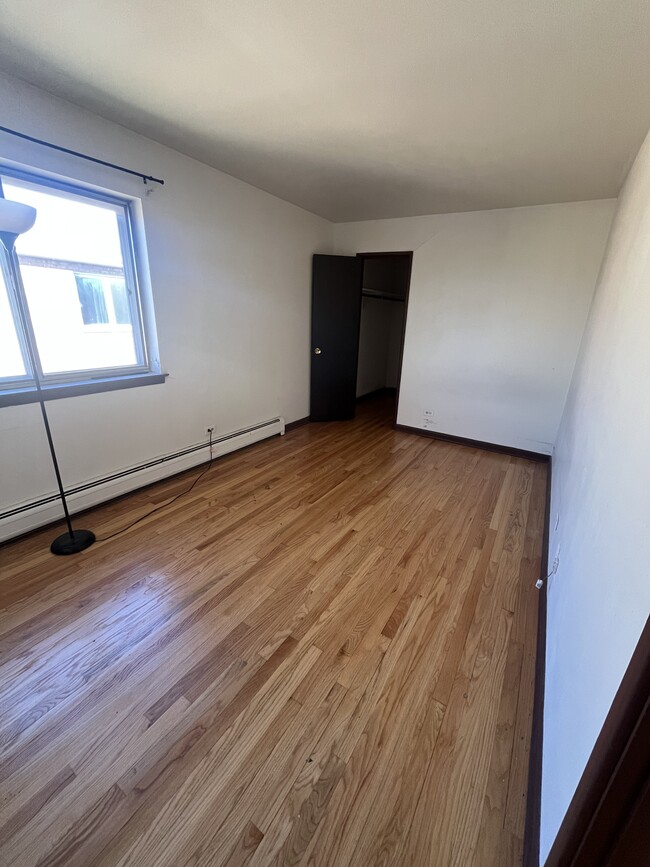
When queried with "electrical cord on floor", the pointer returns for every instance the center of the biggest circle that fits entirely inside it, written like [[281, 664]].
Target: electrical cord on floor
[[164, 505]]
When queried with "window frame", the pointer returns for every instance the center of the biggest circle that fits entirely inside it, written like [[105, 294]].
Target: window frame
[[26, 379], [146, 370]]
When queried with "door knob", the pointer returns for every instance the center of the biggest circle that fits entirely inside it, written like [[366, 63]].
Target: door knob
[[317, 351]]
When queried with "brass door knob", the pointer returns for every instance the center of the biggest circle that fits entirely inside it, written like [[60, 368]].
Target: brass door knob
[[317, 351]]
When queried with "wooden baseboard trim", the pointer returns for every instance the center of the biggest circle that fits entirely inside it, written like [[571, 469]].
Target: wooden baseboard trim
[[475, 444], [299, 422], [534, 788]]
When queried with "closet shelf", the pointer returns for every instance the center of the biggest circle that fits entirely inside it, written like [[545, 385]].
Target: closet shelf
[[383, 296]]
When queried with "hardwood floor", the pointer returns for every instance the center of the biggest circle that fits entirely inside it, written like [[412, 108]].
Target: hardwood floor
[[323, 655]]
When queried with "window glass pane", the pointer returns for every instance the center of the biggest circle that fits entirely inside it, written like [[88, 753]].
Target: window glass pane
[[68, 262], [120, 302], [91, 297], [11, 358]]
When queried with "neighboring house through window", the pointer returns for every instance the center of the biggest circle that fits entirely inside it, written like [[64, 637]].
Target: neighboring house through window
[[91, 297]]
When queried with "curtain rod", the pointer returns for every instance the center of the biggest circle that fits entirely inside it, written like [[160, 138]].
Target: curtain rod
[[55, 147]]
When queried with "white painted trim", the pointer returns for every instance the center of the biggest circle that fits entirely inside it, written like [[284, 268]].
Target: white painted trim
[[31, 519]]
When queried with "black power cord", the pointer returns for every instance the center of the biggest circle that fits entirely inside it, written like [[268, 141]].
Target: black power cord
[[169, 503]]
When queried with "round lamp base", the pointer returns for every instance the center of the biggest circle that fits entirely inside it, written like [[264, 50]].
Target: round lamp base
[[68, 543]]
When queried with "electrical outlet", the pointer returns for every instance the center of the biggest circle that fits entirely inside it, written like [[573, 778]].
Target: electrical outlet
[[428, 417]]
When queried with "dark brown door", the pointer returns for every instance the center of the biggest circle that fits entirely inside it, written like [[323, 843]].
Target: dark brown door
[[335, 315], [633, 846], [608, 820]]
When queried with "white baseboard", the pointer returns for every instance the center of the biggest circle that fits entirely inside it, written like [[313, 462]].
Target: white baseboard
[[45, 513]]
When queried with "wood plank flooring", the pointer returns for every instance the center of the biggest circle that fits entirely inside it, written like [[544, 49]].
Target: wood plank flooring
[[323, 655]]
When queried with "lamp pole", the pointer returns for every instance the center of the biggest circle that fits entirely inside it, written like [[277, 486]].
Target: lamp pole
[[73, 541]]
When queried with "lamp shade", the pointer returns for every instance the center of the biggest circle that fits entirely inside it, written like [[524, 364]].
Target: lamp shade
[[15, 217]]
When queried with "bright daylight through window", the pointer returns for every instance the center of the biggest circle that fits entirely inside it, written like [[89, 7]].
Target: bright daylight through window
[[74, 277]]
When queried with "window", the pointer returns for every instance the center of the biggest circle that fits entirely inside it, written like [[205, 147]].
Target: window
[[70, 305]]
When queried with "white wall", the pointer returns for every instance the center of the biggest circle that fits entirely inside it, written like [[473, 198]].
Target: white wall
[[395, 338], [497, 307], [374, 335], [599, 599], [231, 275], [380, 337]]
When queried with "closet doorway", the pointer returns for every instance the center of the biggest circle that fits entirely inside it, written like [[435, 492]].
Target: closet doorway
[[384, 298], [359, 308]]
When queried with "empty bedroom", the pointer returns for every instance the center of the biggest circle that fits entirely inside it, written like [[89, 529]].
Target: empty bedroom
[[324, 425]]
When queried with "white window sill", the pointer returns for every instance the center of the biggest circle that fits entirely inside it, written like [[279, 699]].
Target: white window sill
[[29, 394]]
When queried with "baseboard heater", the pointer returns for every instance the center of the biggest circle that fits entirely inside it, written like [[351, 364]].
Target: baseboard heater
[[36, 513]]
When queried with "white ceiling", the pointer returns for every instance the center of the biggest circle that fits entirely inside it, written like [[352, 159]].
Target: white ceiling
[[361, 109]]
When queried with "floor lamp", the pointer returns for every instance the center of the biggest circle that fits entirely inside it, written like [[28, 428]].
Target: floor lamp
[[15, 219]]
